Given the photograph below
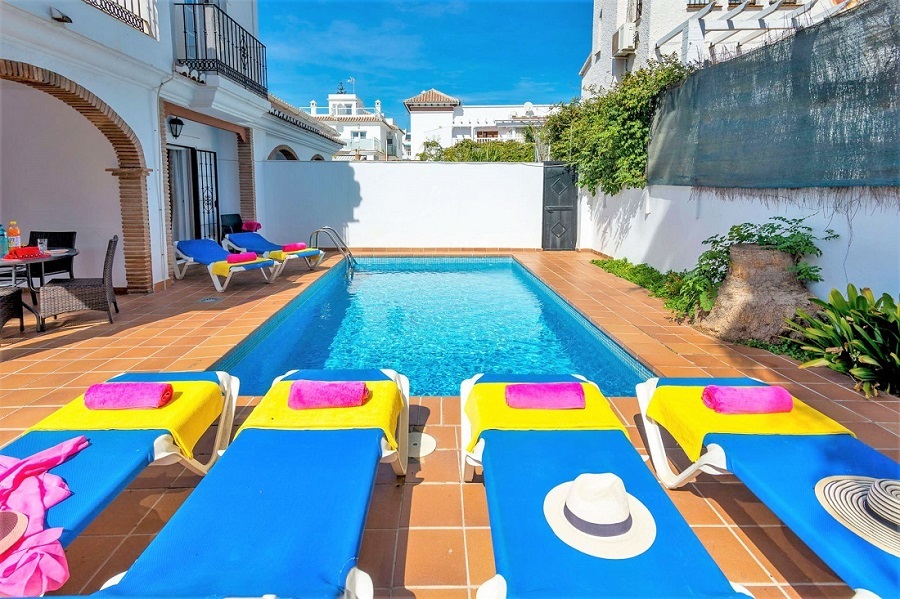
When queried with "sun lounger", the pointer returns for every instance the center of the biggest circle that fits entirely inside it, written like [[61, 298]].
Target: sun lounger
[[782, 470], [283, 511], [254, 242], [118, 453], [208, 253], [524, 454]]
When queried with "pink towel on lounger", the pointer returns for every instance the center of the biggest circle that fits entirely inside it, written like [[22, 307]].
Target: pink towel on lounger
[[546, 396], [747, 400], [294, 247], [241, 257], [322, 394], [125, 396]]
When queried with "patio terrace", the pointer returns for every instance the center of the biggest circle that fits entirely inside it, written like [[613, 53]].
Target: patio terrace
[[428, 537]]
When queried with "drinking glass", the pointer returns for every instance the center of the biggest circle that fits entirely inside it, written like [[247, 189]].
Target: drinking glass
[[42, 245]]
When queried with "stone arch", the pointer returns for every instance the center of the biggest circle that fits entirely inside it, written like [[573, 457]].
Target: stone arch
[[131, 171], [317, 158], [283, 152]]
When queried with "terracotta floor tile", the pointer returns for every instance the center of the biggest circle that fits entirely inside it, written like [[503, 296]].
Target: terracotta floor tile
[[384, 509], [162, 511], [119, 561], [445, 436], [122, 515], [442, 466], [785, 556], [694, 507], [24, 417], [427, 410], [450, 413], [867, 432], [431, 558], [445, 593], [376, 556], [85, 556], [475, 508], [767, 592], [732, 557], [431, 505], [736, 504], [836, 591], [480, 555]]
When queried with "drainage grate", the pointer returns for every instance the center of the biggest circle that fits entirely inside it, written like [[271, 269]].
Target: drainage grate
[[209, 300]]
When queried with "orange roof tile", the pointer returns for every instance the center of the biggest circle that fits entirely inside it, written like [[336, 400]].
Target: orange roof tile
[[431, 97]]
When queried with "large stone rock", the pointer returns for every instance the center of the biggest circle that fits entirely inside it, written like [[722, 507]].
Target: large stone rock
[[758, 294]]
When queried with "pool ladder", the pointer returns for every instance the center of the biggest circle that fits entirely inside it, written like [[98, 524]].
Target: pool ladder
[[338, 243]]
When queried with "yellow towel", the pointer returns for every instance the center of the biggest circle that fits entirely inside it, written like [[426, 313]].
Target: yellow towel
[[381, 410], [194, 407], [223, 267], [281, 255], [680, 410], [487, 410]]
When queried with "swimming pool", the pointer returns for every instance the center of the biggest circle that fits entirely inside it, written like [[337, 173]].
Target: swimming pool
[[438, 321]]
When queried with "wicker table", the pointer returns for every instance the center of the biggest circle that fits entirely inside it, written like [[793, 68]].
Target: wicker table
[[34, 263]]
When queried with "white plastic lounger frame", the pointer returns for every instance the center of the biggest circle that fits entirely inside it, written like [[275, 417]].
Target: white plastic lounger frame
[[711, 462], [183, 261], [311, 261], [165, 452]]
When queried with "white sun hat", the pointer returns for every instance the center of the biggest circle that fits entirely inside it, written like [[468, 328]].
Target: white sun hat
[[595, 515], [867, 506]]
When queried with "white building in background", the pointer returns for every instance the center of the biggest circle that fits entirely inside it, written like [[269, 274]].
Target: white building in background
[[367, 134], [136, 118], [628, 33], [435, 116]]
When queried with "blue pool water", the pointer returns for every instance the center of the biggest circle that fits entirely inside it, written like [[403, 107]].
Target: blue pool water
[[438, 321]]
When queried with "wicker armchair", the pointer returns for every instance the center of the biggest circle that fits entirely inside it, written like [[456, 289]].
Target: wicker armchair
[[73, 295], [11, 306], [56, 239]]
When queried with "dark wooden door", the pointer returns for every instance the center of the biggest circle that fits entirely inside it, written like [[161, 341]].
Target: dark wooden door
[[560, 230]]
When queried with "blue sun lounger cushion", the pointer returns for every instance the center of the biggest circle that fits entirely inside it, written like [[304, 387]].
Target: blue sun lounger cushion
[[98, 473], [782, 471], [210, 254], [521, 466], [282, 513]]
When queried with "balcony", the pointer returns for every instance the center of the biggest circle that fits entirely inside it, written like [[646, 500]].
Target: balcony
[[213, 42], [140, 14]]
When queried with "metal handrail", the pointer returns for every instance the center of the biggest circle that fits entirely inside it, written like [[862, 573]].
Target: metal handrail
[[338, 242]]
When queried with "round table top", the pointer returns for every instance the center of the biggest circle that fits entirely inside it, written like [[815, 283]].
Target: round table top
[[54, 254]]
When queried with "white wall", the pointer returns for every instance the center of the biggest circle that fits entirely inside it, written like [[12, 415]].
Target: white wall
[[425, 125], [53, 176], [405, 204], [665, 227]]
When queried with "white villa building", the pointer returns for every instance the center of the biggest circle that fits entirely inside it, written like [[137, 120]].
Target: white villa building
[[435, 116], [137, 118], [628, 33], [367, 134]]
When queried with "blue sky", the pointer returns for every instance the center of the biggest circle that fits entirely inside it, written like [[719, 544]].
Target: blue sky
[[482, 52]]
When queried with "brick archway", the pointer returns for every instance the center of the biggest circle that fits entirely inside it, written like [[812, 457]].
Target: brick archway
[[132, 170]]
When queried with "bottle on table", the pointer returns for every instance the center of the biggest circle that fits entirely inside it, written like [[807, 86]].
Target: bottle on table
[[4, 242], [14, 235]]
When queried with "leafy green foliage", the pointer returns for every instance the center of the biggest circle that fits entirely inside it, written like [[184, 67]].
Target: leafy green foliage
[[857, 335], [606, 136], [641, 274], [469, 150], [700, 285], [786, 347]]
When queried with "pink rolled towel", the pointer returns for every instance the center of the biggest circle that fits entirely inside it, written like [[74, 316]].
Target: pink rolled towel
[[250, 226], [126, 396], [241, 257], [547, 396], [294, 247], [747, 400], [321, 394]]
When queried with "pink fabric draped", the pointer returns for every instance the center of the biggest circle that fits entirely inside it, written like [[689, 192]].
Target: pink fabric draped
[[36, 563]]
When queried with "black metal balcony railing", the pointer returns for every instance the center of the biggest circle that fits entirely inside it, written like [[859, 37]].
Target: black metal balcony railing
[[215, 43], [136, 13]]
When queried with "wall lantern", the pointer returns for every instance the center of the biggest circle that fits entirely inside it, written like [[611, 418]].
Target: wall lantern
[[175, 126]]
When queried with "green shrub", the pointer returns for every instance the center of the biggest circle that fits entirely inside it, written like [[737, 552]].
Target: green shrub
[[859, 336], [469, 150], [641, 274], [786, 347]]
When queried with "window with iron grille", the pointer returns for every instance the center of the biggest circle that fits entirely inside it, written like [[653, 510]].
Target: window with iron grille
[[140, 14]]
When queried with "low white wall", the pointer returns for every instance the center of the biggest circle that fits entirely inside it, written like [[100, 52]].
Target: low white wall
[[665, 226], [405, 204]]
